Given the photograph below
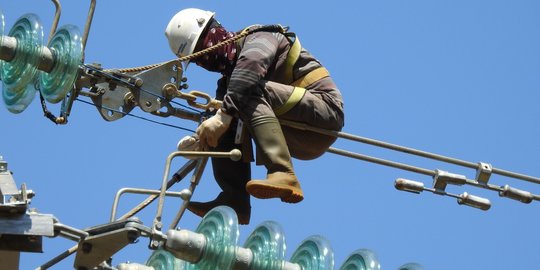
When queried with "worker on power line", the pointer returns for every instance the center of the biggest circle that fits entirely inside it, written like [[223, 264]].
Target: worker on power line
[[265, 76]]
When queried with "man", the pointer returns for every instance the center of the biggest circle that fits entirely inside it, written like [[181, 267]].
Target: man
[[266, 75]]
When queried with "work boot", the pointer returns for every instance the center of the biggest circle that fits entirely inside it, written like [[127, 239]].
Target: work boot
[[239, 205], [231, 176], [280, 182]]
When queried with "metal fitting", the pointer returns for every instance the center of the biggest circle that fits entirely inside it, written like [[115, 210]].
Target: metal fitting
[[186, 245], [474, 201], [3, 165], [516, 194], [442, 178], [243, 259], [409, 185], [483, 172]]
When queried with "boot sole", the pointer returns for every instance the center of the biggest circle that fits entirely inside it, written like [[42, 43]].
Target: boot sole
[[262, 191], [242, 219]]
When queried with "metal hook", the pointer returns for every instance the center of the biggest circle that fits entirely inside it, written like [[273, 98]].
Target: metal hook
[[210, 102]]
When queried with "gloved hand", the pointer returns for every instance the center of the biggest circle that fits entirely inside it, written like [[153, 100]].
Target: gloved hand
[[189, 143], [212, 129]]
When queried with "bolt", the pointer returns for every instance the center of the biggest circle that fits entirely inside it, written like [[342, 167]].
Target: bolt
[[148, 104], [138, 82], [129, 98], [86, 247], [154, 244]]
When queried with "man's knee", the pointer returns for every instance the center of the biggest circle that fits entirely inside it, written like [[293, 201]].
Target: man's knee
[[306, 145]]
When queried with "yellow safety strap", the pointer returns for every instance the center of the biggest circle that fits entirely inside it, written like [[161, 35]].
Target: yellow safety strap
[[292, 57], [311, 77], [296, 96], [287, 74], [299, 90]]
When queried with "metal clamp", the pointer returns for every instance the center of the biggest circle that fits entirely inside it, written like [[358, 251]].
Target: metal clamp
[[462, 199], [483, 172], [442, 178]]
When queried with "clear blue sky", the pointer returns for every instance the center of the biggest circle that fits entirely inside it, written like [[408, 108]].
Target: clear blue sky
[[459, 78]]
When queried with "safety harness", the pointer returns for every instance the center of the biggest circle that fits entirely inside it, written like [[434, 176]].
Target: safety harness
[[287, 72]]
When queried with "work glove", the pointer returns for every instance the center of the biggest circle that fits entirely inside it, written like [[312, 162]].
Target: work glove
[[213, 128], [189, 143]]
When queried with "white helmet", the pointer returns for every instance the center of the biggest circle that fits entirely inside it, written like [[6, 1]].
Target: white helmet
[[185, 28]]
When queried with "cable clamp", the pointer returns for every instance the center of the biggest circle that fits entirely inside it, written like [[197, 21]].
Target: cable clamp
[[442, 178], [483, 172]]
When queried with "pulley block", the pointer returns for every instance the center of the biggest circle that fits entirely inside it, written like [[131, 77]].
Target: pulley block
[[19, 75], [220, 227], [315, 253], [267, 242], [66, 45]]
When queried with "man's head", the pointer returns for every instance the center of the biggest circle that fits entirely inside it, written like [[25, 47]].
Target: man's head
[[195, 30], [185, 29]]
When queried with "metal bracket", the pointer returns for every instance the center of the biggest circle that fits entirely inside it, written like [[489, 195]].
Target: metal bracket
[[24, 232], [150, 93], [442, 178], [483, 173], [7, 183], [113, 101], [95, 249], [116, 94]]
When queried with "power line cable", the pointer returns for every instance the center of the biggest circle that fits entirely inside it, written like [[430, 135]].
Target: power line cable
[[136, 116]]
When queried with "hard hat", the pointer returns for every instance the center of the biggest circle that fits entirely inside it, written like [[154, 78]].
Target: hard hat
[[185, 28]]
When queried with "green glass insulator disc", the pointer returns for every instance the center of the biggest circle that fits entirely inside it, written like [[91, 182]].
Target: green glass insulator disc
[[220, 227], [20, 74], [164, 260], [362, 259], [267, 243], [67, 49], [18, 102], [411, 266], [315, 253]]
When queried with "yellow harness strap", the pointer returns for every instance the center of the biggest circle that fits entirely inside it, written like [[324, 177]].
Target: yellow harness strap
[[292, 57], [299, 90], [287, 73], [311, 77], [296, 96]]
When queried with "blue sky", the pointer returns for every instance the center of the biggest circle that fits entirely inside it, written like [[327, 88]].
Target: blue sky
[[459, 78]]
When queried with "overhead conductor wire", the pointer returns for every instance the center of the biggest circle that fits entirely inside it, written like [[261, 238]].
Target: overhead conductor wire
[[136, 116]]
